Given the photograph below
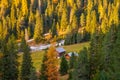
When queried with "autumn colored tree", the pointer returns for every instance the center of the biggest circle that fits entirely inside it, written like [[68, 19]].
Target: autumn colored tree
[[52, 64], [38, 31], [43, 69]]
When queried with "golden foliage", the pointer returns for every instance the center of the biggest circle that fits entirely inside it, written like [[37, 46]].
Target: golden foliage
[[52, 64]]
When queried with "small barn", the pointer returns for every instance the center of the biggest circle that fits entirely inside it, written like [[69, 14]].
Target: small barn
[[68, 55], [61, 51]]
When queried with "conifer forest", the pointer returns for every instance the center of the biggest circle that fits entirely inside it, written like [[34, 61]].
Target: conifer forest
[[50, 28]]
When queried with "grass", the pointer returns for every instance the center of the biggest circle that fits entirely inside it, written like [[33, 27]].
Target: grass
[[38, 56], [76, 47]]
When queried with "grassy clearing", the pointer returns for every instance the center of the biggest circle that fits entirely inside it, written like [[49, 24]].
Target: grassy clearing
[[76, 47], [38, 56], [36, 59]]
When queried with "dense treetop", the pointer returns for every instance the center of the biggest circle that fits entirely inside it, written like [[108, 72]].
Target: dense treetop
[[59, 17]]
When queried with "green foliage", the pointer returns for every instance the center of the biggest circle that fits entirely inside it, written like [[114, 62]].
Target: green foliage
[[96, 55], [33, 74], [43, 76], [102, 75], [72, 60], [9, 60], [81, 68], [63, 66], [26, 63]]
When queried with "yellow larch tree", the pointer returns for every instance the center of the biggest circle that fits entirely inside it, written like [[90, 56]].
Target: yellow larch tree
[[52, 64]]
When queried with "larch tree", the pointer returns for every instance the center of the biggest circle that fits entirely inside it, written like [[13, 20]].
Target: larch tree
[[43, 75], [52, 64], [74, 22], [64, 20], [38, 31], [24, 7], [82, 20]]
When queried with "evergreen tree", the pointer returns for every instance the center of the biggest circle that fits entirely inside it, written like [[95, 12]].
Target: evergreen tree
[[79, 37], [63, 66], [72, 60], [9, 60], [33, 74], [26, 63], [96, 55], [101, 76], [53, 30], [108, 48], [81, 71], [115, 55]]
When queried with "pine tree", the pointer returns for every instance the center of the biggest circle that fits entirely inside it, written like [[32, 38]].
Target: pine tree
[[79, 37], [9, 60], [33, 74], [26, 63], [53, 30], [52, 64], [81, 71], [101, 75], [96, 55], [72, 60], [115, 55], [108, 48], [63, 66]]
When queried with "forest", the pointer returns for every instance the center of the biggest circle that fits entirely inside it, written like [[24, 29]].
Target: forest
[[75, 21]]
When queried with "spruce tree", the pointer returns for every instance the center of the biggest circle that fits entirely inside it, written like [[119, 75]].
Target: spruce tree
[[26, 63], [63, 66], [9, 60], [116, 56], [81, 71], [33, 74], [96, 56], [72, 60], [108, 47]]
